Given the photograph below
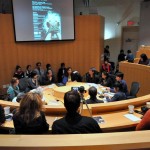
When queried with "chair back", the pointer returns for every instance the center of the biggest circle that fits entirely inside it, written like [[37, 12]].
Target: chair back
[[135, 86]]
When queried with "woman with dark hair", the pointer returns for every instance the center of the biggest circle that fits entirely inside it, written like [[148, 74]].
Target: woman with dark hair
[[30, 118], [106, 66], [18, 72], [13, 89], [68, 76], [106, 80], [143, 59], [48, 78], [28, 71], [33, 81]]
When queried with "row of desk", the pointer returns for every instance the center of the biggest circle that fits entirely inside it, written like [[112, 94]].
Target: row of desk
[[112, 113]]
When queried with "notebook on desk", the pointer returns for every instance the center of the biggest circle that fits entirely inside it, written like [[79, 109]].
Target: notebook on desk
[[99, 119]]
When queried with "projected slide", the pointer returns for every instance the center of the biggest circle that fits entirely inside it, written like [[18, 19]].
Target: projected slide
[[46, 21], [43, 20]]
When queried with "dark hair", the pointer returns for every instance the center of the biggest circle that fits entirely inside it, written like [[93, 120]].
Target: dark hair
[[62, 64], [72, 101], [106, 59], [28, 67], [128, 51], [120, 74], [17, 67], [92, 92], [118, 85], [38, 63], [67, 71], [107, 46], [105, 73], [144, 57], [48, 65], [33, 73], [121, 51], [30, 107], [13, 80]]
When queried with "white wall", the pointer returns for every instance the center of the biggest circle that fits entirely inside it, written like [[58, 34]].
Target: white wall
[[114, 11]]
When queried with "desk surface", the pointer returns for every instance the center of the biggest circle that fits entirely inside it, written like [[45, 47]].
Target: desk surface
[[112, 113], [113, 121]]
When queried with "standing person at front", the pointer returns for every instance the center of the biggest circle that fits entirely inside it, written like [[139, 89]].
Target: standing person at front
[[73, 122], [29, 118]]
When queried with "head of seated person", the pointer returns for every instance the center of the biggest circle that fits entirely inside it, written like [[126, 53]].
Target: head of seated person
[[34, 76], [105, 75], [49, 74], [144, 59], [29, 117], [38, 65], [72, 102], [119, 76], [48, 66], [92, 72], [93, 96], [118, 87], [14, 82]]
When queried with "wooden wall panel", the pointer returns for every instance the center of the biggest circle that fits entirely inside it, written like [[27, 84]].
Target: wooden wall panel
[[80, 54], [139, 73]]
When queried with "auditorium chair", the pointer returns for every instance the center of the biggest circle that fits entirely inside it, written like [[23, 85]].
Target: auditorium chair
[[135, 86]]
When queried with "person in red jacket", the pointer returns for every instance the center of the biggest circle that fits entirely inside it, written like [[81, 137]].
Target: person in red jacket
[[106, 66], [145, 122]]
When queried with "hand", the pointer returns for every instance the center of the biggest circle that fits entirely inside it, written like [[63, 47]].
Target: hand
[[108, 88]]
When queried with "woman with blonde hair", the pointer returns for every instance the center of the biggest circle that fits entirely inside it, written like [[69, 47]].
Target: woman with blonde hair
[[30, 118]]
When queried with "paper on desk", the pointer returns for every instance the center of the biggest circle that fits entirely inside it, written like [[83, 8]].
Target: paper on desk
[[132, 117], [53, 103]]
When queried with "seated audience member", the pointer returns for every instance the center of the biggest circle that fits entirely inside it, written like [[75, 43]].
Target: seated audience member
[[18, 73], [106, 80], [121, 56], [38, 69], [61, 72], [33, 81], [18, 98], [47, 79], [106, 66], [13, 89], [29, 118], [71, 76], [73, 122], [130, 56], [28, 71], [119, 77], [93, 99], [91, 76], [145, 122], [49, 67], [119, 94], [2, 115], [143, 59]]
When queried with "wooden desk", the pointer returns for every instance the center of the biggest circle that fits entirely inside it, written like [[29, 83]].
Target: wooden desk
[[114, 121], [137, 140]]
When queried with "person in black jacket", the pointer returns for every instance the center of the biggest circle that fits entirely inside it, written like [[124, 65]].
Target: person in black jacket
[[18, 72], [106, 80], [93, 99], [61, 72], [73, 122], [2, 115], [29, 118], [91, 76], [47, 79]]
